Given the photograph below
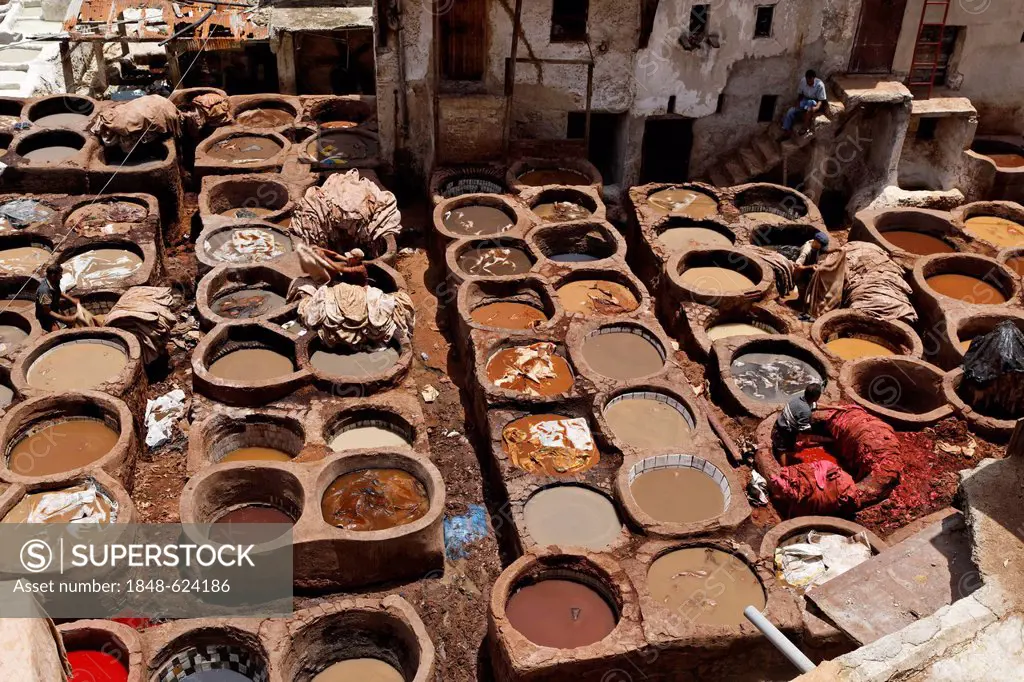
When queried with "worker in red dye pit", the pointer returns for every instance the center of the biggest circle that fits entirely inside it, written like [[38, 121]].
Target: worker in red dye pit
[[794, 419], [810, 99], [49, 296]]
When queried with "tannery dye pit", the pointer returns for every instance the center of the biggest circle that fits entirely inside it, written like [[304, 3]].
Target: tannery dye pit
[[550, 444], [571, 516], [354, 363], [534, 370], [966, 288], [247, 303], [256, 454], [359, 670], [677, 580], [716, 280], [561, 211], [244, 149], [851, 348], [597, 297], [60, 446], [773, 377], [509, 315], [477, 220], [495, 261], [553, 176], [622, 354], [101, 267], [919, 243], [77, 365], [684, 202], [563, 614], [251, 364], [999, 231], [374, 499], [680, 238], [649, 423], [24, 260], [678, 495]]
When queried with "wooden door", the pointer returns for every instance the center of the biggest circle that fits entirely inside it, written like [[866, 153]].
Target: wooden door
[[877, 35], [463, 26]]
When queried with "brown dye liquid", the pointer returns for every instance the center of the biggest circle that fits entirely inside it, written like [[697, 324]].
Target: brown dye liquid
[[1016, 264], [622, 355], [766, 217], [571, 516], [998, 231], [678, 495], [255, 513], [477, 220], [359, 670], [355, 364], [247, 303], [102, 267], [63, 119], [11, 336], [729, 329], [50, 155], [77, 366], [502, 364], [917, 242], [264, 118], [252, 364], [852, 349], [547, 444], [244, 149], [1007, 160], [23, 260], [716, 280], [101, 213], [553, 176], [562, 614], [561, 211], [705, 586], [966, 288], [341, 145], [679, 238], [256, 454], [684, 202], [244, 212], [374, 499], [61, 446], [597, 297], [648, 424], [495, 261], [508, 315], [21, 511], [367, 437]]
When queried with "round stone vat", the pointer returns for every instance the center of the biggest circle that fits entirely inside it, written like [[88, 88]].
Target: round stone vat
[[265, 112], [500, 373], [373, 428], [760, 374], [25, 255], [561, 601], [57, 437], [242, 245], [141, 155], [649, 418], [787, 532], [994, 424], [737, 323], [904, 391], [787, 239], [592, 291], [61, 111], [676, 583], [447, 183], [230, 293], [10, 111], [240, 148], [622, 352], [563, 204], [17, 328], [20, 502], [499, 257], [90, 217], [6, 389], [766, 203], [514, 306], [686, 201], [359, 639], [339, 112], [680, 234], [1013, 258], [674, 494], [254, 437], [365, 370], [478, 215], [40, 217], [222, 650], [969, 327], [577, 242], [264, 493], [845, 335], [571, 515], [106, 264], [962, 280], [246, 364], [998, 224], [341, 147], [542, 172], [911, 232], [1003, 154], [718, 277], [50, 147], [91, 358], [247, 199], [103, 650]]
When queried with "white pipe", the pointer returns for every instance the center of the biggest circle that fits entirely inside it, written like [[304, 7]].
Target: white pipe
[[779, 640]]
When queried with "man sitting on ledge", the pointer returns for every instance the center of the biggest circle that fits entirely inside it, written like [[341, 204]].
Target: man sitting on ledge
[[810, 99]]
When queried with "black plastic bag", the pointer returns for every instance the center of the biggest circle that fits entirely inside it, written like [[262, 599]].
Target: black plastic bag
[[995, 354]]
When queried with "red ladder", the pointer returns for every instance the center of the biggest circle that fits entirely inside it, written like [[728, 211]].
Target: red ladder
[[927, 53]]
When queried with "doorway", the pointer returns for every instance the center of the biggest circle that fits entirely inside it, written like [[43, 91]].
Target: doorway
[[463, 39], [666, 149], [877, 35]]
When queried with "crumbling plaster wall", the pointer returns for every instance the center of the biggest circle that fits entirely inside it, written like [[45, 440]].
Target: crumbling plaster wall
[[987, 67], [805, 35]]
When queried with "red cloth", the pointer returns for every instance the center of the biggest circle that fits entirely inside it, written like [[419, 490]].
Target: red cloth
[[96, 666], [814, 488], [868, 448]]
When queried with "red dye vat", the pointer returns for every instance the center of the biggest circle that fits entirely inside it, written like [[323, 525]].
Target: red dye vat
[[814, 453], [96, 666]]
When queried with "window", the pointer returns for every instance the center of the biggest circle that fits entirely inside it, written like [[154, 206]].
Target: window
[[671, 104], [699, 16], [721, 104], [766, 112], [926, 128], [763, 22], [569, 20]]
